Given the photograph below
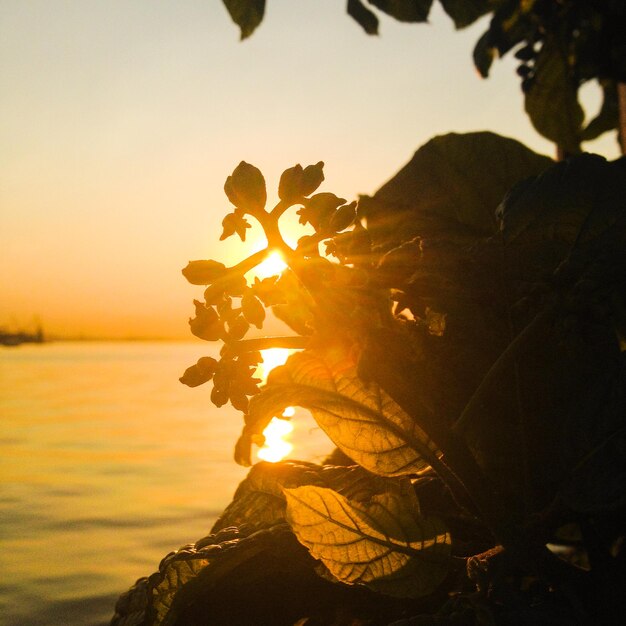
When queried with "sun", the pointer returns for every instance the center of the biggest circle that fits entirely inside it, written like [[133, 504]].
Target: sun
[[271, 358], [274, 264]]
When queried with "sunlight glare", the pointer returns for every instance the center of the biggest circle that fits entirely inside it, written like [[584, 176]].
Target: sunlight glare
[[271, 358], [274, 264], [275, 447]]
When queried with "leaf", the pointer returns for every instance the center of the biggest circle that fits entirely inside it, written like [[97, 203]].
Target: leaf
[[405, 10], [234, 223], [382, 545], [253, 577], [245, 188], [453, 184], [552, 99], [363, 16], [484, 54], [247, 14], [199, 373], [608, 116], [361, 420], [201, 577], [203, 272], [260, 499], [465, 12], [577, 202]]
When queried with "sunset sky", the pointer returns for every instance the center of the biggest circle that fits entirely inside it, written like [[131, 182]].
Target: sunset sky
[[119, 122]]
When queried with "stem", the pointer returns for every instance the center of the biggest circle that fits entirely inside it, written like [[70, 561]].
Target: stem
[[280, 208], [621, 104], [251, 262], [507, 358], [266, 343]]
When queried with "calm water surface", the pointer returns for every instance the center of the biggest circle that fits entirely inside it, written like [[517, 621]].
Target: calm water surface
[[107, 463]]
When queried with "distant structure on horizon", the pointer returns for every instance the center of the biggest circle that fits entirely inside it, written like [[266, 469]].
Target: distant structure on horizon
[[15, 338]]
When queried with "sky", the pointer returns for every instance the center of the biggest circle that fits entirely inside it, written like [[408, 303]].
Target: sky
[[120, 121]]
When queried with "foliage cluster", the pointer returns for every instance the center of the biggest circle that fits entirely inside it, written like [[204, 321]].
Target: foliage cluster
[[461, 338], [466, 357], [560, 45]]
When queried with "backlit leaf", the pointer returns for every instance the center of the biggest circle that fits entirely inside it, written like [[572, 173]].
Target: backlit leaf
[[260, 499], [383, 545], [360, 419]]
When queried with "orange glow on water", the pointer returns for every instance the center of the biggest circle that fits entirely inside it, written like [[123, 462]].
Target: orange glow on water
[[276, 448], [274, 357]]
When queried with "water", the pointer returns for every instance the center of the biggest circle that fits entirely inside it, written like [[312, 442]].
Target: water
[[107, 463]]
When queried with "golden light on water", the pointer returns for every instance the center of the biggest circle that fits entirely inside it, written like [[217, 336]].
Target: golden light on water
[[276, 448], [272, 358]]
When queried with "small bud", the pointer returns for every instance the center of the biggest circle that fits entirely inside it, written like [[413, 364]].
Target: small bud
[[312, 178], [245, 188], [237, 328], [318, 209], [199, 373], [343, 217], [290, 185], [203, 272], [253, 310]]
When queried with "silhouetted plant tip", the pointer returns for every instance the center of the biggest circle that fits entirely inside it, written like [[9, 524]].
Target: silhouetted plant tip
[[460, 336]]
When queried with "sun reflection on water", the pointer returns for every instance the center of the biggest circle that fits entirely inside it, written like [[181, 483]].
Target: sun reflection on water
[[276, 447]]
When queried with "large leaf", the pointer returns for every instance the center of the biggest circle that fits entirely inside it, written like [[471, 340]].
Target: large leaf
[[247, 14], [363, 16], [578, 202], [361, 419], [405, 10], [465, 12], [452, 183], [383, 545], [240, 577], [552, 100], [259, 499]]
